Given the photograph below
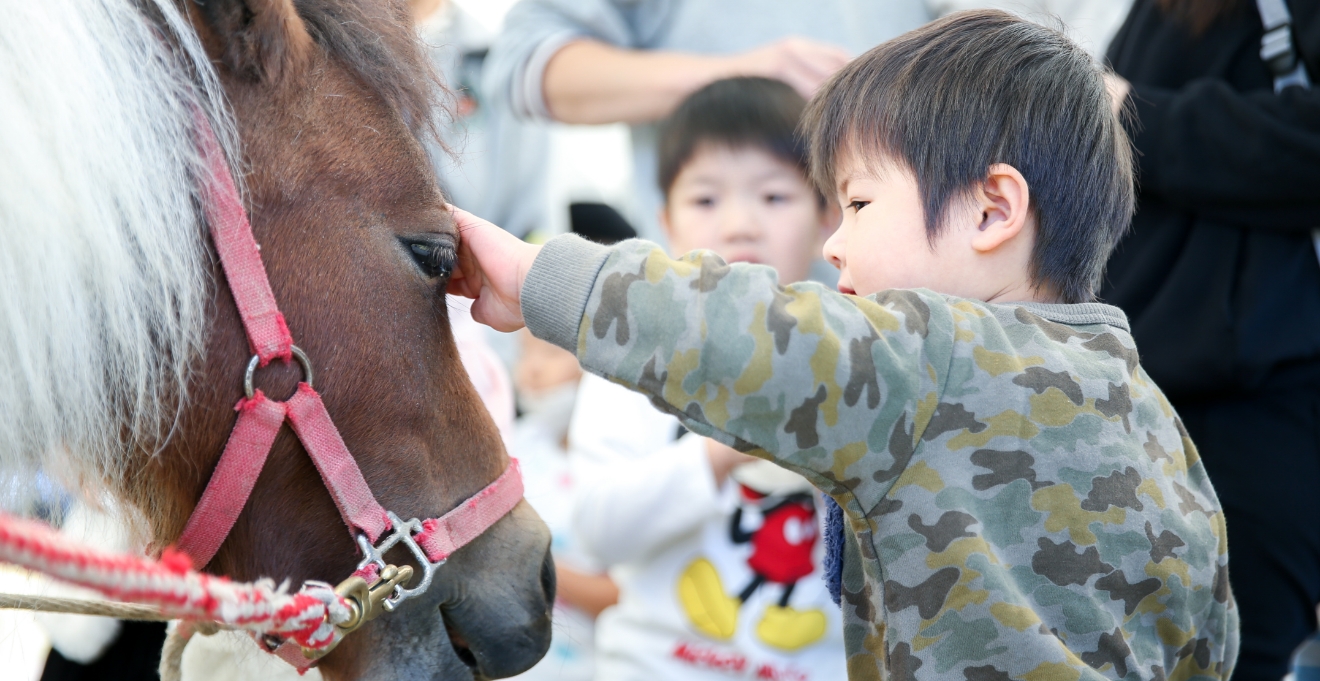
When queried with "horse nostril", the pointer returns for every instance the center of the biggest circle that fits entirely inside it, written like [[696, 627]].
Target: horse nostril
[[461, 647], [548, 578]]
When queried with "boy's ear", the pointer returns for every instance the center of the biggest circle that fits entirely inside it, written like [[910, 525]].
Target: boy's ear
[[260, 40], [1004, 200]]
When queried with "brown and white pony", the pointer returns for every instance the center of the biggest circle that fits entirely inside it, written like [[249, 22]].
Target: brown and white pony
[[122, 353]]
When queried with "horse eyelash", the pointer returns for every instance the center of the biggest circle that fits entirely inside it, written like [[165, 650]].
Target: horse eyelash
[[436, 259]]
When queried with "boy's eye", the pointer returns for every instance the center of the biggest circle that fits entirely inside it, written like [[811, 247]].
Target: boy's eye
[[704, 201], [858, 205], [776, 198]]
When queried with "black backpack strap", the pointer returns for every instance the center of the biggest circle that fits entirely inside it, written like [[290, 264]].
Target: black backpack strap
[[1280, 54]]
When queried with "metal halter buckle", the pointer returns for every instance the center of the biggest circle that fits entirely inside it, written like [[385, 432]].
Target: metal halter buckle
[[400, 531], [368, 601]]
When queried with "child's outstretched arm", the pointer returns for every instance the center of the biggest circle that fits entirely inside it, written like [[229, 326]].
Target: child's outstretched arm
[[812, 379]]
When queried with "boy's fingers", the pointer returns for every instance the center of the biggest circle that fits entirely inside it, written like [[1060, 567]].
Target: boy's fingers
[[467, 278], [490, 269], [497, 315], [469, 226], [463, 219]]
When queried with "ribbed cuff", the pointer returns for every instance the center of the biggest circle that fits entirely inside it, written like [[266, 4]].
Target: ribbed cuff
[[528, 96], [554, 294]]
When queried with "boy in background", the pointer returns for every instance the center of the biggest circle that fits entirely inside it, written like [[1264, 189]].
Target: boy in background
[[546, 379], [1021, 499], [717, 558]]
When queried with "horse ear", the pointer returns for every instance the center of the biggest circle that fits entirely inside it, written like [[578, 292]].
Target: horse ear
[[260, 40]]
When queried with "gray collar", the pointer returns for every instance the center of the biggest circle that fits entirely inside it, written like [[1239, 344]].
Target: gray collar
[[1078, 314]]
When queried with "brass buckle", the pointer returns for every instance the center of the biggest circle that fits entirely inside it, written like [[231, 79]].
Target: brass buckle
[[365, 602], [368, 601]]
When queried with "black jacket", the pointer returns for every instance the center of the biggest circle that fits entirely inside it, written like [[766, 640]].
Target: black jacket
[[1219, 274]]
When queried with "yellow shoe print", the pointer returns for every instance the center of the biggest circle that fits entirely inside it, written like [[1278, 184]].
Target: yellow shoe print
[[711, 611], [790, 629]]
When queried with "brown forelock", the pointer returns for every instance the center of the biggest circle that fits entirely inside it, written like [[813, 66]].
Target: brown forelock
[[335, 175], [375, 40]]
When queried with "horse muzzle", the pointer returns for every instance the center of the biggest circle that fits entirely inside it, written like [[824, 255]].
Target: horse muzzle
[[485, 616]]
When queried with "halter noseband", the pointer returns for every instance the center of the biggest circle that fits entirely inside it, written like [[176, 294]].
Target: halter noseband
[[376, 586]]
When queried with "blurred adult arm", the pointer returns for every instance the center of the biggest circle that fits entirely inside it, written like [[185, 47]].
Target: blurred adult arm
[[581, 61], [587, 592], [1252, 158], [588, 81]]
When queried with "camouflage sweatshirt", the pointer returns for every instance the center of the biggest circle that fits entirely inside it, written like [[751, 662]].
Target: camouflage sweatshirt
[[1023, 501]]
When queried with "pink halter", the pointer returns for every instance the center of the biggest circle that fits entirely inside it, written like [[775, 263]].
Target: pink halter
[[431, 541]]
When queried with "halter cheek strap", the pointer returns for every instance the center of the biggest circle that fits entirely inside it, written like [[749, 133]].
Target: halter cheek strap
[[260, 419]]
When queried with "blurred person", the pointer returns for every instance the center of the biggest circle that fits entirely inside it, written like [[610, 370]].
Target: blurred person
[[716, 553], [492, 159], [1220, 278], [633, 61], [546, 380]]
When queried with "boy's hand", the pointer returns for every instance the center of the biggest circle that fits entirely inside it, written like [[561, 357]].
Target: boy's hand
[[491, 267]]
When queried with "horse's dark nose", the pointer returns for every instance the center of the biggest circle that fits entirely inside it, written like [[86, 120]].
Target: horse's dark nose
[[517, 638], [503, 591], [548, 578]]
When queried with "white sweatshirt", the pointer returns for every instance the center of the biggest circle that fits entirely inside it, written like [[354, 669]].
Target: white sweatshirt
[[648, 508]]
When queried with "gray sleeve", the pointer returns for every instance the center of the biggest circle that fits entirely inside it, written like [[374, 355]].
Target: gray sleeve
[[554, 294], [534, 30]]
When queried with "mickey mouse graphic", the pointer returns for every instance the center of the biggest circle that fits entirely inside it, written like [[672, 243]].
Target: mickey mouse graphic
[[782, 547]]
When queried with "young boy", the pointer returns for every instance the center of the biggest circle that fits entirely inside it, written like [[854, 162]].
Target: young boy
[[1023, 502], [716, 553]]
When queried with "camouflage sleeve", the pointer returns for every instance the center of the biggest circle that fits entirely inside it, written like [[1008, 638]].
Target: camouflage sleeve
[[812, 379]]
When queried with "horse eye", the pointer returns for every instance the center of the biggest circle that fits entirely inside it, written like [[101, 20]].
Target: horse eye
[[435, 259]]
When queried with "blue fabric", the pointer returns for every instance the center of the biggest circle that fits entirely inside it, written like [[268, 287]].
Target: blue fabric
[[833, 549]]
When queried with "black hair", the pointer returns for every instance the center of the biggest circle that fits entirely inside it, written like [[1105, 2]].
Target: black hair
[[958, 95], [734, 113]]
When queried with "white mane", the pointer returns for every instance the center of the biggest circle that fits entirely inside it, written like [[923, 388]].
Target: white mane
[[103, 270]]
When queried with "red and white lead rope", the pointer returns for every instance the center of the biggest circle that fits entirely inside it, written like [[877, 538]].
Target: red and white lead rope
[[307, 617]]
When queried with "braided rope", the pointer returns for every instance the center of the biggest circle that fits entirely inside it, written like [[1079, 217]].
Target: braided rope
[[76, 606], [308, 616], [177, 635]]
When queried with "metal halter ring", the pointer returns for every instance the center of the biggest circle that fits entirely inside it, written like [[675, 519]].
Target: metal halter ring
[[252, 370]]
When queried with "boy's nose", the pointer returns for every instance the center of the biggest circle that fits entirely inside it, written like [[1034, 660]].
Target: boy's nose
[[739, 222], [834, 248]]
